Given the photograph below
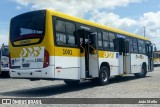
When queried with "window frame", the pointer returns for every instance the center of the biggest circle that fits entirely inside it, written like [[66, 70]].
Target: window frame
[[33, 13], [100, 32], [54, 19], [112, 41], [109, 47], [135, 45], [131, 45], [107, 40], [142, 46]]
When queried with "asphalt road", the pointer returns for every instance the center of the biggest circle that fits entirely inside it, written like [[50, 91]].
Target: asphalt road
[[126, 87]]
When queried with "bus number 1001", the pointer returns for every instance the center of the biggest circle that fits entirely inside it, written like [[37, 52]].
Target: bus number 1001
[[67, 52]]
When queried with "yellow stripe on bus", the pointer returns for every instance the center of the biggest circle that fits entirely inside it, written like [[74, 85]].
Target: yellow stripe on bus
[[64, 51], [106, 54]]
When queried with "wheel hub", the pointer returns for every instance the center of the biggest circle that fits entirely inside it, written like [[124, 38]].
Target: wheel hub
[[104, 76]]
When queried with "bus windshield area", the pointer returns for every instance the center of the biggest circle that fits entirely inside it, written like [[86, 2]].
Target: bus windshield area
[[26, 26]]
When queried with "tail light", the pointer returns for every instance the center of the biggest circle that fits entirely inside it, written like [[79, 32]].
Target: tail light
[[46, 59], [10, 61]]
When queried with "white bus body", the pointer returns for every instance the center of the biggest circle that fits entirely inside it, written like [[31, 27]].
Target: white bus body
[[4, 59]]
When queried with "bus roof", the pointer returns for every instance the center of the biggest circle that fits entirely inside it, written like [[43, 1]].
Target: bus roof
[[93, 24]]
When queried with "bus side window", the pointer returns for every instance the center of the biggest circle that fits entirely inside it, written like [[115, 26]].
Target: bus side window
[[141, 47], [60, 33], [94, 40], [105, 41], [131, 45], [65, 33], [135, 46], [111, 41], [148, 49], [71, 35], [100, 41]]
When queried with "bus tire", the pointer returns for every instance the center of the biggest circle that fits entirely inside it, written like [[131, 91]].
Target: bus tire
[[72, 82], [143, 73], [103, 76]]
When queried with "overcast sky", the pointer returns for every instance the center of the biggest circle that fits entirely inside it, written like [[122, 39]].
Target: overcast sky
[[128, 15]]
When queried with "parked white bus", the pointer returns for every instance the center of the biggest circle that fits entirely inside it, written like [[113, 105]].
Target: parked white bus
[[51, 45], [156, 58], [4, 59]]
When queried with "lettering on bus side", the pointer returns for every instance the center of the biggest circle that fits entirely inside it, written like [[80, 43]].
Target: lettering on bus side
[[67, 52], [139, 57]]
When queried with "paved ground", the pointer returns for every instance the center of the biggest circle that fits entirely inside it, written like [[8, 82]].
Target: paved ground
[[126, 87]]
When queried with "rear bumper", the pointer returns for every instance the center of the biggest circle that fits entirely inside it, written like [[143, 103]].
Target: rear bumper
[[47, 72]]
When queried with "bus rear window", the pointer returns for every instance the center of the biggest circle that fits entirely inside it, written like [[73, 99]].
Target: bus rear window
[[27, 26]]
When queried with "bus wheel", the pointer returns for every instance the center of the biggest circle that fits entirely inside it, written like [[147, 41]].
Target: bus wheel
[[103, 76], [142, 74], [72, 82]]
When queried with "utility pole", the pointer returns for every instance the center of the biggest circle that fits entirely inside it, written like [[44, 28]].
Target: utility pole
[[144, 31]]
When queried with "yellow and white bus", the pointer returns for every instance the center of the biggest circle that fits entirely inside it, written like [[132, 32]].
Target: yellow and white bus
[[156, 58], [4, 59], [50, 45]]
